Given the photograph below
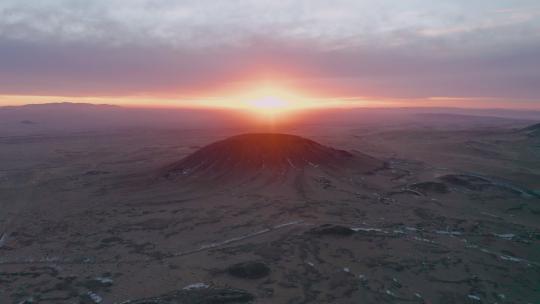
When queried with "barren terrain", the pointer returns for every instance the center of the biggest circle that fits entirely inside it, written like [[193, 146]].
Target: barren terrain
[[446, 211]]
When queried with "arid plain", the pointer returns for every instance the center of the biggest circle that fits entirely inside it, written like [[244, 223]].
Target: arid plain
[[381, 206]]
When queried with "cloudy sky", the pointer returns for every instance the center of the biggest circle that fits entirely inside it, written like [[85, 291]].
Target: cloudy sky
[[404, 52]]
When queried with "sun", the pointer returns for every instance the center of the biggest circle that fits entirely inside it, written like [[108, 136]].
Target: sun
[[269, 103], [269, 108]]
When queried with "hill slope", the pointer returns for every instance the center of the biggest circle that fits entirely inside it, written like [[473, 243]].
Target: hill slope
[[247, 155]]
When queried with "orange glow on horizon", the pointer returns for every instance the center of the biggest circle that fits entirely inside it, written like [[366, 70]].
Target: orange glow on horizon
[[271, 100], [268, 101], [265, 96], [269, 95]]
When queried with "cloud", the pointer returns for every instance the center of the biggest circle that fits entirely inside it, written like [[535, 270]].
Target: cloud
[[203, 23], [404, 49]]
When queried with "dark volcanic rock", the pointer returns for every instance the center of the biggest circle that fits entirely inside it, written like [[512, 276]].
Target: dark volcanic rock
[[249, 270], [467, 181], [329, 229], [426, 187], [532, 131], [477, 183], [534, 127], [199, 296]]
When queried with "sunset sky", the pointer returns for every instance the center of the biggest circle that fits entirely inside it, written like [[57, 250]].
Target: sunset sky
[[481, 53]]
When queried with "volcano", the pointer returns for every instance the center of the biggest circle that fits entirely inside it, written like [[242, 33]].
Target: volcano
[[258, 153]]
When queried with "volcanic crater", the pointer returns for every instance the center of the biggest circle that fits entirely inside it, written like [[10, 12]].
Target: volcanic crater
[[272, 153]]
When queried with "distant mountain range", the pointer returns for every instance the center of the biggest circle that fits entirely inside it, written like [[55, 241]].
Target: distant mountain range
[[74, 117]]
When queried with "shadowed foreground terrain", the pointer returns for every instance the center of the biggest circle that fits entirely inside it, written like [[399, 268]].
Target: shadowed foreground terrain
[[351, 213]]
